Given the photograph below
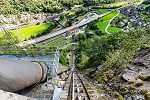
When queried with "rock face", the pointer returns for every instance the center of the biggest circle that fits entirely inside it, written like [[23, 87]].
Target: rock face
[[133, 83], [140, 68], [142, 58], [138, 72]]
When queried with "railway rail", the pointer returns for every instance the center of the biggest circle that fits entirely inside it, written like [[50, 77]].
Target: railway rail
[[78, 88]]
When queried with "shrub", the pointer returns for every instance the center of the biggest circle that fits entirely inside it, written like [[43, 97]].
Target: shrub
[[38, 23]]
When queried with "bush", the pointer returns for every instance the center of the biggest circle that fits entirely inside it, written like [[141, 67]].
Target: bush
[[63, 59], [38, 23]]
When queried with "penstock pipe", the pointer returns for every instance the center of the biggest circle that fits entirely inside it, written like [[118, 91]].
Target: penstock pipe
[[16, 75]]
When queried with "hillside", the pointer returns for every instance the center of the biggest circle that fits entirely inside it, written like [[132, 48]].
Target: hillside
[[99, 48], [36, 6]]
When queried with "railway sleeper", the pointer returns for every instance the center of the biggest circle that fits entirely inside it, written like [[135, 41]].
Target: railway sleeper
[[77, 85], [81, 98], [79, 90]]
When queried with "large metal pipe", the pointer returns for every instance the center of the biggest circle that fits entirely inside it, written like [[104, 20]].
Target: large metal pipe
[[16, 75]]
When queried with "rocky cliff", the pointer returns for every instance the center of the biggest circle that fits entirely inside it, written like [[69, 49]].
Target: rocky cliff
[[130, 83]]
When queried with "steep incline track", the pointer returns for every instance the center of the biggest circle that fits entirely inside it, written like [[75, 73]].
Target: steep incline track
[[78, 88]]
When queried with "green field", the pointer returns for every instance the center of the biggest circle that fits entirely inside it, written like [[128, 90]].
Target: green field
[[114, 29], [71, 13], [147, 5], [109, 16], [31, 30], [55, 42], [144, 16], [102, 25], [104, 22]]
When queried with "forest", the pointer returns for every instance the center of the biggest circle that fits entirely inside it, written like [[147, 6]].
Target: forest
[[51, 6], [115, 50]]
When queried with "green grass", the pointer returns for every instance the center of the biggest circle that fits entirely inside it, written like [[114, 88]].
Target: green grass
[[114, 29], [61, 42], [104, 21], [144, 16], [147, 5], [71, 13], [57, 42], [102, 25], [109, 16], [130, 25], [31, 30]]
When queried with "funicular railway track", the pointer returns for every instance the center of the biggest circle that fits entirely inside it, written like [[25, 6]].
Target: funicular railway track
[[78, 88]]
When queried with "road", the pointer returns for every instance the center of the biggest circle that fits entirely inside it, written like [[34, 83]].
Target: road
[[50, 35]]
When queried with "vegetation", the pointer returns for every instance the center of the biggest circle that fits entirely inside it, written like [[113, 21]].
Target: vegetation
[[64, 59], [97, 52], [75, 16], [52, 6], [114, 29], [32, 31], [35, 6], [58, 41], [30, 49], [121, 3], [116, 3], [145, 9], [8, 46], [115, 50], [103, 24]]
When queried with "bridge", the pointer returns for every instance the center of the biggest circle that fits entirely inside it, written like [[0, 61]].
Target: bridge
[[50, 35]]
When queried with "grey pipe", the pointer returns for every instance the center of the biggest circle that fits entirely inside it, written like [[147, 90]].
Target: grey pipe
[[16, 75]]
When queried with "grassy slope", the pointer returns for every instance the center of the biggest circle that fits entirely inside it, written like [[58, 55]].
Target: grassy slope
[[104, 21], [57, 42], [114, 29], [31, 30], [109, 16], [147, 5], [102, 25]]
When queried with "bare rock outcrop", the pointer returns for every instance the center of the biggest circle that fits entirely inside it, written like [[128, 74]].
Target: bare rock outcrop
[[140, 68]]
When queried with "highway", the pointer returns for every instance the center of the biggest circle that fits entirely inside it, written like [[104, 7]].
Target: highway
[[50, 35]]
